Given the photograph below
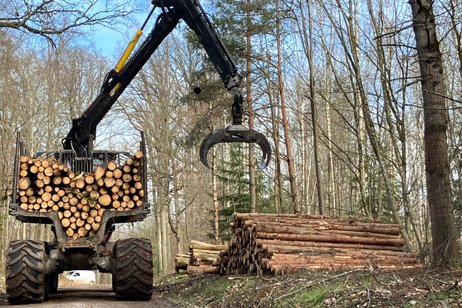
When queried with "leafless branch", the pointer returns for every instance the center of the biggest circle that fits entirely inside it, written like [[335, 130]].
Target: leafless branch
[[49, 18]]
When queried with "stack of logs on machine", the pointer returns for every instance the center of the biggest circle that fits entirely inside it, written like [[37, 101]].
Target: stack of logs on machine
[[79, 199], [282, 243], [285, 243]]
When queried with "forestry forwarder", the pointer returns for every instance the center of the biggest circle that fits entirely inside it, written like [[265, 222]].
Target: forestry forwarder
[[33, 266]]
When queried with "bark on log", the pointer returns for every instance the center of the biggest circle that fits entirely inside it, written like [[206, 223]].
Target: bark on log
[[201, 269], [306, 230], [261, 242], [206, 246], [332, 225], [280, 242], [331, 239]]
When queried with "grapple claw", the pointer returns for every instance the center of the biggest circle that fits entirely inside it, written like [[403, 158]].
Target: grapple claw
[[235, 133]]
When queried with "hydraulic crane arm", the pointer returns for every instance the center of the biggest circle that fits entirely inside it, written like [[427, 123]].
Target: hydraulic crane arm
[[81, 136]]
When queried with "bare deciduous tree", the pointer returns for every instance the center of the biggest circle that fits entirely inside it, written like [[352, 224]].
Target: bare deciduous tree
[[52, 17]]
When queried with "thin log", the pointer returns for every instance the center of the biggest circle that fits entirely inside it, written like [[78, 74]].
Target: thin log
[[201, 269], [331, 239], [288, 218], [311, 231], [331, 225], [206, 246], [261, 242], [300, 250]]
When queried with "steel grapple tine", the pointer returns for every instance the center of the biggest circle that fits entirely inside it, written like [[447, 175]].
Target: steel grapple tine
[[265, 147], [209, 141], [236, 133]]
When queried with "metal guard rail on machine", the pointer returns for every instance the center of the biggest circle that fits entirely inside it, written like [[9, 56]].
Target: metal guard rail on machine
[[82, 134]]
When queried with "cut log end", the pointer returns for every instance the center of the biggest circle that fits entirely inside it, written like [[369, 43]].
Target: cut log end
[[80, 200]]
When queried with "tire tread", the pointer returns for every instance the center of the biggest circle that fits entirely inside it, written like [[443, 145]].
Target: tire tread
[[133, 273], [25, 277]]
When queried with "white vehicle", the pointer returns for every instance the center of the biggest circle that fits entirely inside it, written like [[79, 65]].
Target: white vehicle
[[81, 277]]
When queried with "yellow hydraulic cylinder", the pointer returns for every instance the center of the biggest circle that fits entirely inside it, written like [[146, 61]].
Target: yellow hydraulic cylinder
[[125, 56], [128, 51]]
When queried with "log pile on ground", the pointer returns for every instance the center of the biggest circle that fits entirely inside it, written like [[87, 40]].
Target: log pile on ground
[[281, 243], [204, 257], [181, 262], [80, 200]]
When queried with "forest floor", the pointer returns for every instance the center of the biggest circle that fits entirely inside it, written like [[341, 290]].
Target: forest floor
[[406, 288]]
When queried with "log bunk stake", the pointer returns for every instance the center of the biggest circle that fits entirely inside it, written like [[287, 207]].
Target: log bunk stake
[[79, 199]]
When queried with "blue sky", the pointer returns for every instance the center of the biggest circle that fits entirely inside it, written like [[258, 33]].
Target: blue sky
[[112, 42]]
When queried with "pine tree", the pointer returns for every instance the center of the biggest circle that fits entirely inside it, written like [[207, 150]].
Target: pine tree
[[235, 196]]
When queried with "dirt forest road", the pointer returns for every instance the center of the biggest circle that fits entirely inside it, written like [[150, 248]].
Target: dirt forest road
[[98, 297]]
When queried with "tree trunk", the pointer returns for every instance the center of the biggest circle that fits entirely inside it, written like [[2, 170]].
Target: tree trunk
[[285, 121], [165, 241], [216, 216], [314, 113], [395, 125], [453, 13], [248, 84], [444, 233], [278, 188]]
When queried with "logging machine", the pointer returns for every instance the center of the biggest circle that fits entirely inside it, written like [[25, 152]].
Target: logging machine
[[33, 267]]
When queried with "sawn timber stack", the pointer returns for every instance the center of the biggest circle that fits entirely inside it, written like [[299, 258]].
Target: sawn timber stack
[[281, 243]]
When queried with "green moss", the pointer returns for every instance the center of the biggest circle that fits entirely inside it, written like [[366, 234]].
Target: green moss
[[436, 297], [305, 297], [313, 297]]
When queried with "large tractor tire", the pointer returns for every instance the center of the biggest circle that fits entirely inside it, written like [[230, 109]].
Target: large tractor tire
[[132, 276], [25, 272]]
